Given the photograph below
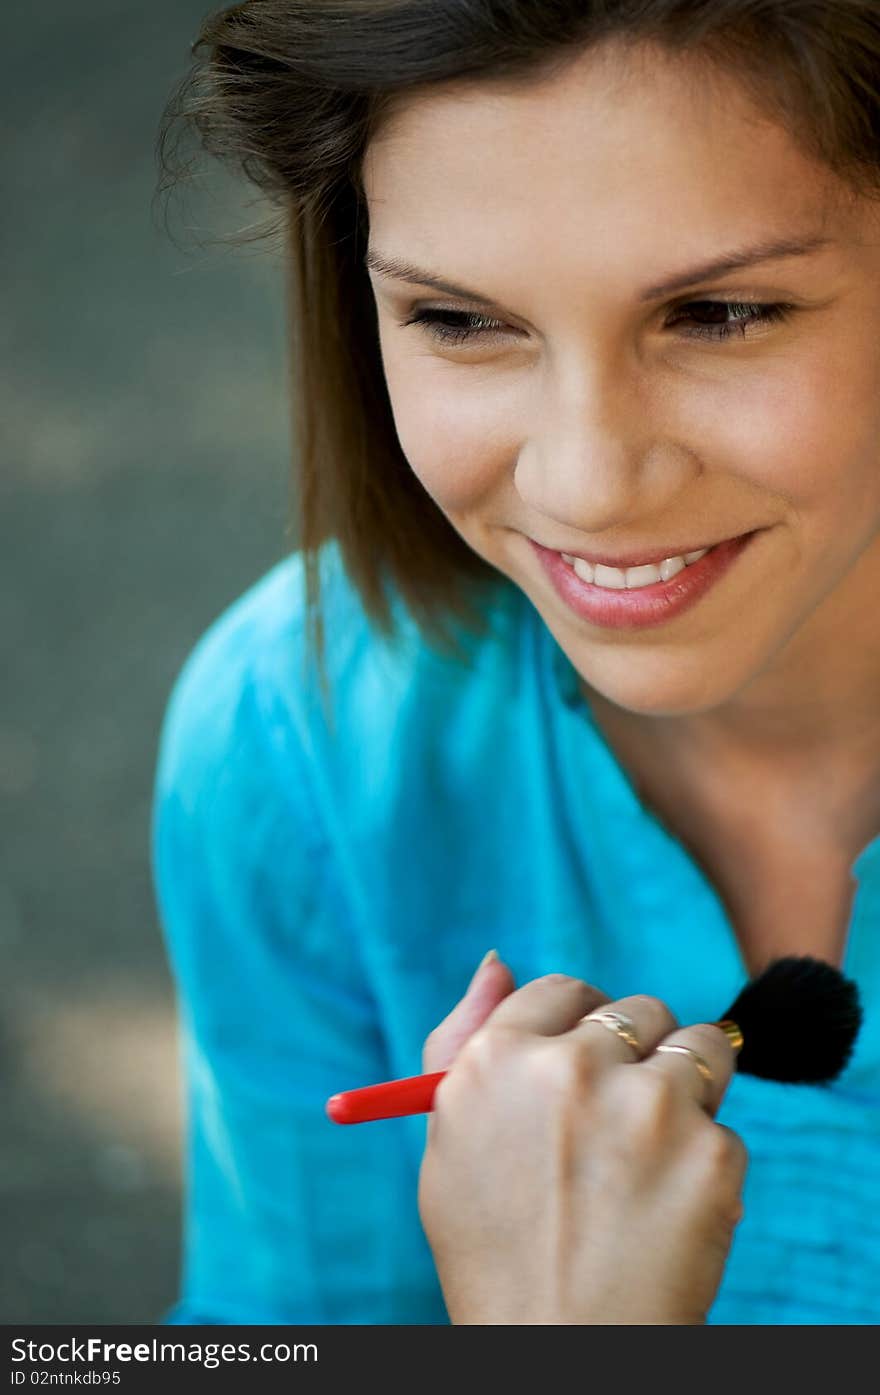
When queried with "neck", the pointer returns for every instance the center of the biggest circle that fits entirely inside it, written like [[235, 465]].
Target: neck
[[798, 761]]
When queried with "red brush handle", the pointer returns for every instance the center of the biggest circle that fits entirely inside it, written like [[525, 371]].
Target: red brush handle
[[415, 1093], [412, 1095]]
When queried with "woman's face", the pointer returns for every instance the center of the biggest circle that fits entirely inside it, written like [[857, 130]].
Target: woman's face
[[601, 414]]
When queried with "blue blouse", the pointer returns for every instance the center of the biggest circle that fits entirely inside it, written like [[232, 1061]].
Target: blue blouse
[[326, 893]]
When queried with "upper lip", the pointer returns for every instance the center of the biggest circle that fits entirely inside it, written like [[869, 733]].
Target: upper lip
[[639, 559]]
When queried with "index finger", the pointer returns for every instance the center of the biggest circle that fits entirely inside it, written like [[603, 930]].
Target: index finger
[[548, 1005]]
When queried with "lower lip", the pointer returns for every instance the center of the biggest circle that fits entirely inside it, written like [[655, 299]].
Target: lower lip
[[646, 605]]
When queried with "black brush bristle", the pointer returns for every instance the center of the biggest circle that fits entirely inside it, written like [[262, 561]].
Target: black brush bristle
[[799, 1021]]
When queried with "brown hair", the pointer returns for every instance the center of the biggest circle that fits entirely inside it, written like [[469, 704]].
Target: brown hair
[[290, 92]]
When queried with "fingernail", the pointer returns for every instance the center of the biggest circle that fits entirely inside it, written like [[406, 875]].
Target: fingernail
[[486, 959]]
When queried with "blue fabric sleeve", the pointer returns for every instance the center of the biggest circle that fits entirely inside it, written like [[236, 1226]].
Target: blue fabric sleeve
[[289, 1218]]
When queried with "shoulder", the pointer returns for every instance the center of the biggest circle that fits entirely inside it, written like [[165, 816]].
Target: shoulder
[[250, 665], [243, 851], [212, 712], [269, 819], [247, 696]]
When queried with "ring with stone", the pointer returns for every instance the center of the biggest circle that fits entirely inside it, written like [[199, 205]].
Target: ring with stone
[[619, 1024]]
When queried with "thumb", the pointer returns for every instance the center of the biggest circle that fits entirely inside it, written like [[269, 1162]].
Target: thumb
[[491, 983]]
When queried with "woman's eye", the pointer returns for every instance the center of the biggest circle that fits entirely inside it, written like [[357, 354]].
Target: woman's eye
[[454, 326], [459, 326], [745, 314]]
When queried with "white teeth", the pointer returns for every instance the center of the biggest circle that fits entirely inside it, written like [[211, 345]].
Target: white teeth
[[670, 567], [585, 570], [612, 577], [631, 578], [642, 576]]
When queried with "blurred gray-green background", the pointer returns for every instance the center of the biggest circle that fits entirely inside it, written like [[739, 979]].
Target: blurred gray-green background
[[145, 453]]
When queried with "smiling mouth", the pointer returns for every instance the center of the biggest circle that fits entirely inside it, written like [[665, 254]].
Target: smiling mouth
[[632, 574], [642, 596]]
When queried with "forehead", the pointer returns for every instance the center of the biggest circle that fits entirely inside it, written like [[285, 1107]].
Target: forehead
[[628, 151]]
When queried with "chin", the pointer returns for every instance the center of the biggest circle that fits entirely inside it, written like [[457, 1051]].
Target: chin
[[678, 689]]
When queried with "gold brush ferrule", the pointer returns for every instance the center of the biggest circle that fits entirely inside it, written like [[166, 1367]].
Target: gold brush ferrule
[[732, 1032]]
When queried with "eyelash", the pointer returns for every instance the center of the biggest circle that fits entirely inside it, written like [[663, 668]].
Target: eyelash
[[468, 325]]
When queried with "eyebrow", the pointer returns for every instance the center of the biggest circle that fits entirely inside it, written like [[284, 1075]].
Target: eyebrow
[[399, 270]]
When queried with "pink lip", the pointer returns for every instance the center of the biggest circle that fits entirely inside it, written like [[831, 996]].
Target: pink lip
[[646, 605]]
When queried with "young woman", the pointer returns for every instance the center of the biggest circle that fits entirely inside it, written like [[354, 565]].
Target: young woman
[[585, 307]]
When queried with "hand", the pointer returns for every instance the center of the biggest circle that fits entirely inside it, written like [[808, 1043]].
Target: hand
[[565, 1179]]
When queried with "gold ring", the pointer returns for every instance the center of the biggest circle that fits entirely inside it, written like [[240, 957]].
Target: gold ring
[[701, 1064], [615, 1022]]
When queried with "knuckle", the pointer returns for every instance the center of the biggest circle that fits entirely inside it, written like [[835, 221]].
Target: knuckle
[[645, 1102], [719, 1157], [568, 1068], [657, 1008], [484, 1062], [714, 1149], [716, 1178], [484, 1049], [737, 1154], [560, 981]]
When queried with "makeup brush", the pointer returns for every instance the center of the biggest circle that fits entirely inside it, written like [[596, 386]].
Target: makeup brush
[[798, 1021]]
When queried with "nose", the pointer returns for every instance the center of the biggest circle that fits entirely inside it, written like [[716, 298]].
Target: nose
[[601, 456]]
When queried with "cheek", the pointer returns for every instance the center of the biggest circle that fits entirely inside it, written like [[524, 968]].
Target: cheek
[[810, 436], [446, 433]]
